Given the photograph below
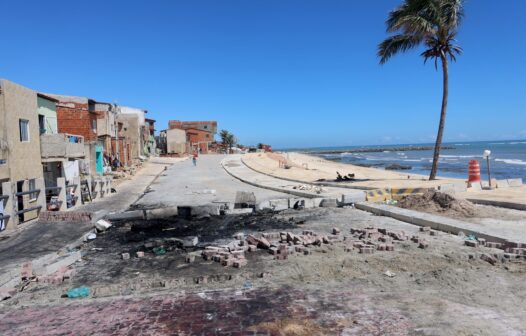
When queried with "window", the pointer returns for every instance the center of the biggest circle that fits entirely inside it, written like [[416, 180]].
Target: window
[[32, 186], [24, 130], [42, 123], [94, 125]]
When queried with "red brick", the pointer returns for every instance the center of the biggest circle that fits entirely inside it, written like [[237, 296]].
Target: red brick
[[263, 243], [471, 243], [238, 263], [488, 258], [366, 250]]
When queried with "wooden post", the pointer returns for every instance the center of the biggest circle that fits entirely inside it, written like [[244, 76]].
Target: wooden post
[[61, 183]]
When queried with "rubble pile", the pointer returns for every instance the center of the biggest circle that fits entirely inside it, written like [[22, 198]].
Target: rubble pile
[[439, 203]]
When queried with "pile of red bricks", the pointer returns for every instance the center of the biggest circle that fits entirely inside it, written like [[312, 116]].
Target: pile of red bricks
[[512, 251], [65, 216], [279, 244], [371, 239], [226, 255]]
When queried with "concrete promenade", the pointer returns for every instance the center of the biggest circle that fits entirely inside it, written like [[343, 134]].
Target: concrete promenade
[[183, 184]]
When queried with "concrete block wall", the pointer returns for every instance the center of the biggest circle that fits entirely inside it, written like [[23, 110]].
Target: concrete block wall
[[10, 202]]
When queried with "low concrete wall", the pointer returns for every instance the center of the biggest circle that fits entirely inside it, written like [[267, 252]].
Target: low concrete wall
[[59, 146], [502, 204]]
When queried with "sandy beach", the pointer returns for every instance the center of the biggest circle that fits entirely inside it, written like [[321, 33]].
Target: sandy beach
[[308, 169]]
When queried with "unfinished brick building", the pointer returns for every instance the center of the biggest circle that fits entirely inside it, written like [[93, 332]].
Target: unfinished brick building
[[77, 115], [199, 134], [209, 126]]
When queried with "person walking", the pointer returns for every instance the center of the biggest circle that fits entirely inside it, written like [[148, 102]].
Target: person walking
[[194, 159]]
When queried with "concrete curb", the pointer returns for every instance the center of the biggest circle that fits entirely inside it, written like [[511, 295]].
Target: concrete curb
[[502, 204], [439, 223], [324, 184], [282, 190]]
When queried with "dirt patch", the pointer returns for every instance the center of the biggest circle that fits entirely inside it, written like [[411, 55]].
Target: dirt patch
[[439, 203], [290, 327]]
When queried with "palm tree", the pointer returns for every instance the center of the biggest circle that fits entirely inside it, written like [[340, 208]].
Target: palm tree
[[434, 24], [228, 139]]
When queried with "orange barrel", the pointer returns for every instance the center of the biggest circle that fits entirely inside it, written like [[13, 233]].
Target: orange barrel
[[474, 171]]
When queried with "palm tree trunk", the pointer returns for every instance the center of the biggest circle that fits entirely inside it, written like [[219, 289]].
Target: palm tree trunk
[[438, 142]]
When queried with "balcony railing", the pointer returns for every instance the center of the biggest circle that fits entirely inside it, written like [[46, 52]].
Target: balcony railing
[[62, 145]]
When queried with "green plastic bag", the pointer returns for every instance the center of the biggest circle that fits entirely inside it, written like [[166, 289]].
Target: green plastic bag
[[159, 251], [78, 292]]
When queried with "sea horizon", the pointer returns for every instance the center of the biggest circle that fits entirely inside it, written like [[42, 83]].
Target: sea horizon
[[507, 159], [341, 147]]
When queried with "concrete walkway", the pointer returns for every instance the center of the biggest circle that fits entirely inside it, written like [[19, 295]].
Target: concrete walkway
[[208, 182], [235, 167], [38, 238]]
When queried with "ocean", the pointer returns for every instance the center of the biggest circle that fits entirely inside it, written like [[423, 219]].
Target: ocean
[[507, 159]]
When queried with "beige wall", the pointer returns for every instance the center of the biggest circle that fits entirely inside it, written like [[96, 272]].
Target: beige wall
[[131, 129], [106, 120], [23, 158], [175, 141]]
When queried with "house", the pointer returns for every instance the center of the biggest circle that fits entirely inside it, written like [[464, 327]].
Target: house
[[77, 115], [199, 140], [60, 152], [209, 126], [109, 132], [174, 141], [149, 133], [133, 127], [199, 134], [21, 173]]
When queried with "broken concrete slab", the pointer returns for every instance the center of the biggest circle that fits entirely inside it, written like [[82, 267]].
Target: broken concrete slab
[[190, 241], [329, 203], [102, 225], [126, 215], [199, 211], [239, 211], [161, 213], [353, 197], [245, 199]]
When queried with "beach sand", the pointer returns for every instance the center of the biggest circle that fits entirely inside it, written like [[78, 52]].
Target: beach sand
[[308, 169]]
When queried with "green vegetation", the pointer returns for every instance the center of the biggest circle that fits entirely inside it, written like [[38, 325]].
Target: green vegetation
[[434, 24], [228, 139]]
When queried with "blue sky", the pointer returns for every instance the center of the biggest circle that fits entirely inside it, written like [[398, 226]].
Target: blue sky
[[293, 73]]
